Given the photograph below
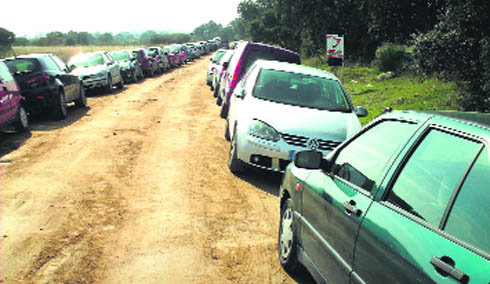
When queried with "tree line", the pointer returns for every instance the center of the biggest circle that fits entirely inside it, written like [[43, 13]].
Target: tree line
[[449, 38]]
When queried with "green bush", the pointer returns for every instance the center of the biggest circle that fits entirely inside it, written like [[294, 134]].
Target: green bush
[[390, 57]]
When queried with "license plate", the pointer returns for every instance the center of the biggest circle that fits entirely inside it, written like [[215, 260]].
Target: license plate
[[291, 155]]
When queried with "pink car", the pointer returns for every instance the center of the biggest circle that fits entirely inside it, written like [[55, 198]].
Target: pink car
[[180, 52], [12, 111]]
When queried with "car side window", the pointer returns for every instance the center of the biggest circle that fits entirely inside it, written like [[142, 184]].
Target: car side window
[[60, 63], [364, 159], [5, 75], [469, 220], [433, 171], [49, 64]]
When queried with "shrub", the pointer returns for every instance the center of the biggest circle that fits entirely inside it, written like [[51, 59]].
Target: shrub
[[390, 57]]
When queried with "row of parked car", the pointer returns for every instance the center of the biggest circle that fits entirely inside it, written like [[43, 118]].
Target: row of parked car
[[43, 82], [404, 199]]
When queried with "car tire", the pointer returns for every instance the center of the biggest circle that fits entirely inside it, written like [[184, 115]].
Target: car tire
[[227, 130], [108, 87], [215, 92], [21, 123], [134, 78], [287, 243], [82, 98], [219, 101], [151, 73], [224, 110], [120, 85], [234, 164], [60, 109]]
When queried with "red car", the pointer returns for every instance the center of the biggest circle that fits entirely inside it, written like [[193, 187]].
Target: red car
[[12, 111]]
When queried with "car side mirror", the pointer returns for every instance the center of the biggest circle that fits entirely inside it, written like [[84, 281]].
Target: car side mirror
[[241, 94], [311, 159], [210, 59], [361, 112], [225, 64]]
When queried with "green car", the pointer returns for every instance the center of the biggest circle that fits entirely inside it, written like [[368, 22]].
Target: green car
[[405, 200]]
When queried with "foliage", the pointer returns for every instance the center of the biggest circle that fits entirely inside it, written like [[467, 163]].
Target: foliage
[[169, 38], [7, 38], [404, 92], [210, 30], [457, 48], [390, 57]]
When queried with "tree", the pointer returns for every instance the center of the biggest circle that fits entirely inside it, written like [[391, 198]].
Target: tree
[[7, 38], [21, 41], [458, 48], [207, 31]]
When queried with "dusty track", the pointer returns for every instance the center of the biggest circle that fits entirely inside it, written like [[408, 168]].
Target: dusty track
[[135, 189]]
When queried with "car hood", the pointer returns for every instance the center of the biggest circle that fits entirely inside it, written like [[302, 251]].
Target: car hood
[[88, 70], [302, 121]]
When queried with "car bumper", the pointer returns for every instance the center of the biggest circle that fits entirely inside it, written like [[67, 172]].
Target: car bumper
[[94, 83], [265, 154], [40, 98]]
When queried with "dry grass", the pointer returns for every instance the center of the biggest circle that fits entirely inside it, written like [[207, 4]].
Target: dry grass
[[65, 52]]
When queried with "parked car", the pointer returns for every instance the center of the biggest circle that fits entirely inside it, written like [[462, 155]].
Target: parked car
[[177, 50], [245, 55], [405, 200], [12, 110], [220, 70], [46, 84], [97, 70], [194, 51], [213, 62], [147, 62], [319, 116], [173, 58], [130, 67], [160, 58]]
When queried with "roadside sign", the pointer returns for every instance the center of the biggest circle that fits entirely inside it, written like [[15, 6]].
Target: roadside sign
[[335, 50]]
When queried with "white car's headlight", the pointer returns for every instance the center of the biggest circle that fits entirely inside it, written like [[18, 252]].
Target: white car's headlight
[[100, 74], [262, 130]]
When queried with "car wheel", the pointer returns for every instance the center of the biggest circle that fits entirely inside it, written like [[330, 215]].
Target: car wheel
[[227, 131], [287, 238], [21, 123], [108, 87], [215, 92], [60, 111], [82, 98], [234, 164], [120, 85], [142, 76], [224, 110], [151, 73], [134, 78]]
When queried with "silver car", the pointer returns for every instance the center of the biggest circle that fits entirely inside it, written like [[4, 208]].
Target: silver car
[[97, 70], [281, 108], [218, 72], [213, 63]]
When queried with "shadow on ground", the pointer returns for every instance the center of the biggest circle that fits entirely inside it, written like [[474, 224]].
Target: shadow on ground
[[270, 183]]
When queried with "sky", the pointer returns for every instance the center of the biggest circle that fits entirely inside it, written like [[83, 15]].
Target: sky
[[31, 17]]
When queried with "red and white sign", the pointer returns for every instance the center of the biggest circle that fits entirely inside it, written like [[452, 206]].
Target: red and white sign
[[335, 46]]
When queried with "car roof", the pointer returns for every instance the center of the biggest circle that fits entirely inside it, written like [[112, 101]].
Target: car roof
[[477, 121], [294, 68], [265, 46], [32, 55]]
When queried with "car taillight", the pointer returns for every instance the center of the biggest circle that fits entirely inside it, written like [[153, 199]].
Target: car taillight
[[235, 76], [40, 80]]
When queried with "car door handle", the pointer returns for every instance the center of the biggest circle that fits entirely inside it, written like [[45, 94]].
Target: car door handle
[[350, 207], [445, 267]]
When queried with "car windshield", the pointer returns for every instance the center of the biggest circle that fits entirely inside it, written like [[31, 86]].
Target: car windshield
[[138, 53], [219, 55], [175, 48], [121, 56], [301, 90], [86, 60], [152, 52], [166, 49], [25, 65]]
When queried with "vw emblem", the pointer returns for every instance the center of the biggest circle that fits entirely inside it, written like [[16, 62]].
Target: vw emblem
[[312, 144]]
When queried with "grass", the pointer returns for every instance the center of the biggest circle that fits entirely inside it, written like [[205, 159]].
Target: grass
[[403, 92], [64, 52]]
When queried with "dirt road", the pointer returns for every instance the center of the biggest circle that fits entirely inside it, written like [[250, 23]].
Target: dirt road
[[135, 189]]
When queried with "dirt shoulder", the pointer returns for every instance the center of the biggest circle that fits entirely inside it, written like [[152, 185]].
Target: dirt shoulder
[[135, 189]]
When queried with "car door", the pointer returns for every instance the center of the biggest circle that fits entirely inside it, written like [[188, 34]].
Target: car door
[[50, 66], [335, 201], [113, 67], [7, 99], [72, 80], [407, 237]]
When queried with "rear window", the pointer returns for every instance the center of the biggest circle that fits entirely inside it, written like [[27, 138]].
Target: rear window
[[138, 53], [253, 55], [23, 65], [218, 56], [5, 73], [301, 90]]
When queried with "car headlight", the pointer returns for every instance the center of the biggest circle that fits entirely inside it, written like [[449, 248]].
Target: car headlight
[[262, 130], [100, 74]]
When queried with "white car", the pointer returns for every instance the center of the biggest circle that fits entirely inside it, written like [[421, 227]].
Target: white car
[[213, 62], [218, 72], [281, 108]]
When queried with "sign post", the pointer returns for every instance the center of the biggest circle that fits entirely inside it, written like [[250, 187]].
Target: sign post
[[335, 51]]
